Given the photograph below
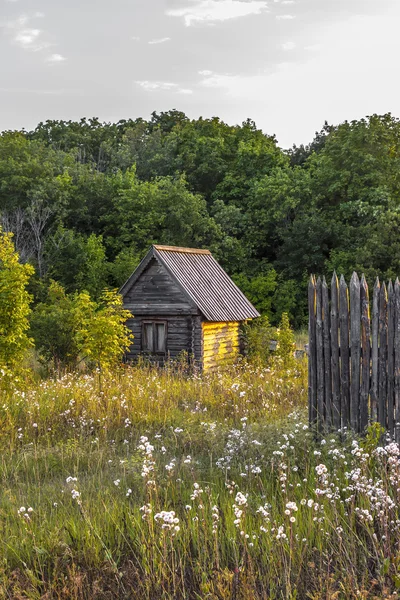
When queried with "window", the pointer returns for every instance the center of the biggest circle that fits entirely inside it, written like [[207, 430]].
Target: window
[[154, 337]]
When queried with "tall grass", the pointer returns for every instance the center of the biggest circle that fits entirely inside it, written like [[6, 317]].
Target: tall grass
[[160, 484]]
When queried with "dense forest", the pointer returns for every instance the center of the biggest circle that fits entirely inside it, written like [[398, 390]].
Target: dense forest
[[86, 199]]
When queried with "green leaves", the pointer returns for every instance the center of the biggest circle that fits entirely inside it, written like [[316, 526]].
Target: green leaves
[[102, 335], [14, 306], [72, 328]]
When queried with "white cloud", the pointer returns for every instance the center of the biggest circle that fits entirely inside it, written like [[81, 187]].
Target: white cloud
[[55, 58], [288, 46], [135, 38], [203, 11], [361, 82], [28, 38], [205, 73], [160, 41], [165, 86], [285, 17]]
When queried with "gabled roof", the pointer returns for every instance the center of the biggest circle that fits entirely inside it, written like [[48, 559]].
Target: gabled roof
[[202, 280]]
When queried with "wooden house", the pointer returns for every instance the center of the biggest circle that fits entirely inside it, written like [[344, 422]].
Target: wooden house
[[183, 301]]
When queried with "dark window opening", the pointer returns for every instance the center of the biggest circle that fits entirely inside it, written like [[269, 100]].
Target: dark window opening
[[154, 337]]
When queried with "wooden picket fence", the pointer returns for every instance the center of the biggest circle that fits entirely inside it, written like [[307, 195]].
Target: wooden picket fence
[[354, 361]]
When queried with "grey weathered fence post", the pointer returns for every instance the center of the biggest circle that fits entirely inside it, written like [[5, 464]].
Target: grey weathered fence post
[[366, 354], [344, 351], [390, 358], [355, 341], [375, 350], [336, 409], [320, 359], [312, 353], [382, 385], [397, 359], [326, 333]]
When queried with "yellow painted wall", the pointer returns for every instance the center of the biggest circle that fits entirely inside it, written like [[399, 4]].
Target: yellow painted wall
[[220, 344]]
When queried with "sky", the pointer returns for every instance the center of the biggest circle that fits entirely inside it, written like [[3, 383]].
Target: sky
[[289, 65]]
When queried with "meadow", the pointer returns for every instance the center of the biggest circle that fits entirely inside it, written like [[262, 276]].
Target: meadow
[[156, 484]]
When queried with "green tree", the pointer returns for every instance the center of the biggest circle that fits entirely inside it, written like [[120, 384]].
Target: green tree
[[14, 306], [102, 334], [54, 328]]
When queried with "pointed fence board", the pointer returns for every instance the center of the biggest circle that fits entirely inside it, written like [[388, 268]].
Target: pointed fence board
[[326, 334], [312, 353], [390, 359], [366, 354], [320, 357], [354, 355], [397, 360], [382, 363], [336, 405], [355, 341], [375, 351], [344, 352]]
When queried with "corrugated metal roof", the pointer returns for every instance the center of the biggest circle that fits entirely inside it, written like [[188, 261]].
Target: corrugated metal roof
[[206, 283]]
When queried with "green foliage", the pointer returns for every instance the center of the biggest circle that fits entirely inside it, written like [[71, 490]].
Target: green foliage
[[14, 306], [54, 328], [286, 345], [258, 336], [102, 335], [86, 199], [259, 289]]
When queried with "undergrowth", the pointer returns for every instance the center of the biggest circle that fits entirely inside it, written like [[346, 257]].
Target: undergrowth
[[161, 484]]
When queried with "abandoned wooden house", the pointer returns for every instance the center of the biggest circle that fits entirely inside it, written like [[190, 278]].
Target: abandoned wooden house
[[183, 302]]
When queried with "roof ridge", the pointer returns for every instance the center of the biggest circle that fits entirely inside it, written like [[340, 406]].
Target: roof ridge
[[180, 249]]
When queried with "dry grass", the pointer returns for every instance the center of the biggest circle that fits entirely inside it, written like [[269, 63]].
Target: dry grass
[[158, 484]]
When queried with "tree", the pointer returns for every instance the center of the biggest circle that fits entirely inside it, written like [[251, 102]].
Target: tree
[[102, 334], [54, 328], [14, 306]]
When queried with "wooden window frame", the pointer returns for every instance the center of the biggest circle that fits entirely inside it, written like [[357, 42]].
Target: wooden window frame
[[155, 322]]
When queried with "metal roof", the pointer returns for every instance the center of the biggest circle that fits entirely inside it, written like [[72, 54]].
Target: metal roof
[[206, 283]]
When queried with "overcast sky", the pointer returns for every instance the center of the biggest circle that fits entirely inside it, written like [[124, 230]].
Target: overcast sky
[[287, 64]]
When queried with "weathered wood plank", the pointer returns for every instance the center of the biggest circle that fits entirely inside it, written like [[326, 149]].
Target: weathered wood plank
[[312, 353], [355, 344], [160, 310], [390, 359], [326, 333], [366, 354], [382, 385], [397, 360], [336, 411], [375, 351], [344, 352], [320, 359]]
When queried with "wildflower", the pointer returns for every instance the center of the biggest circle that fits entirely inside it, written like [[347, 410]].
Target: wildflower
[[117, 482], [168, 520], [69, 479], [75, 494], [146, 510], [241, 499]]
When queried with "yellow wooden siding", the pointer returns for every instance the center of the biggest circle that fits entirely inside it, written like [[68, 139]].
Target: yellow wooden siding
[[220, 344]]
